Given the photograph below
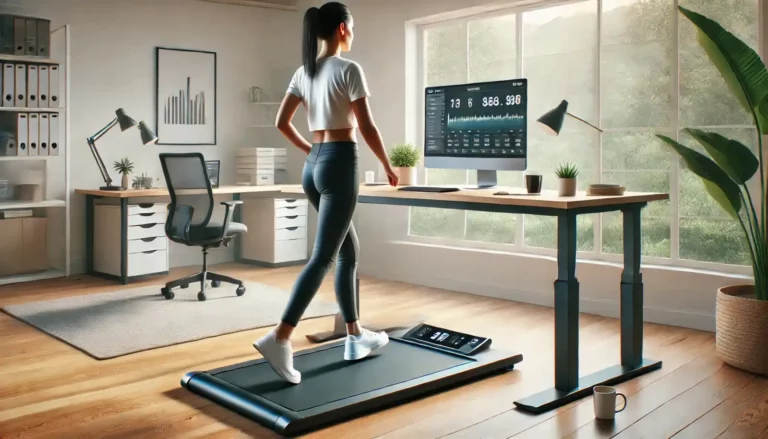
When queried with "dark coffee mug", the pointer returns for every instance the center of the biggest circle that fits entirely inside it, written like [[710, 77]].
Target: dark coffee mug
[[533, 183]]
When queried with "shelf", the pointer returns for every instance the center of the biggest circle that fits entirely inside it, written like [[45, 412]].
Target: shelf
[[27, 59], [12, 158], [32, 109], [7, 205], [29, 277]]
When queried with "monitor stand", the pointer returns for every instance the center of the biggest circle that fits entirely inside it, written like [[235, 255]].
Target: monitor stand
[[485, 180]]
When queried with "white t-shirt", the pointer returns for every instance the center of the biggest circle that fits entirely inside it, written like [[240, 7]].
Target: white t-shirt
[[328, 96]]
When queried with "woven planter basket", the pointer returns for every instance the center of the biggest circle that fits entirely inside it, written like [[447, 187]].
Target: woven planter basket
[[742, 329]]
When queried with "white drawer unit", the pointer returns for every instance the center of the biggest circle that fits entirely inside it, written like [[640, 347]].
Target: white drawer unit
[[277, 231], [131, 246]]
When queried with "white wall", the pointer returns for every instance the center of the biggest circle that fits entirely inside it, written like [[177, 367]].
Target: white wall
[[113, 65], [676, 297]]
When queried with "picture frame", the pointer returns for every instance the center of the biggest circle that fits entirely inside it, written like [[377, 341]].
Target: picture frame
[[213, 168], [185, 97]]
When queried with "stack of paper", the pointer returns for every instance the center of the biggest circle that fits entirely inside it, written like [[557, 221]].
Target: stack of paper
[[258, 166]]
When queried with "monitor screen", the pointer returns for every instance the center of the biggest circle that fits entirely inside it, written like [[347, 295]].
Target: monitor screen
[[480, 120]]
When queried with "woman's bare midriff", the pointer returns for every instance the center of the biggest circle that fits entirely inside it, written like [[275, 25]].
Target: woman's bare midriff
[[342, 135]]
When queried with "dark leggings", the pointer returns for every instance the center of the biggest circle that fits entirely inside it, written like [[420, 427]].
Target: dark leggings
[[330, 181]]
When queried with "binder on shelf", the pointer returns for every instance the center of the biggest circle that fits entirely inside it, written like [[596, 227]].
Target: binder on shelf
[[21, 85], [43, 37], [53, 87], [22, 133], [34, 134], [31, 37], [32, 86], [19, 35], [53, 134], [42, 86], [6, 35], [44, 137], [9, 85]]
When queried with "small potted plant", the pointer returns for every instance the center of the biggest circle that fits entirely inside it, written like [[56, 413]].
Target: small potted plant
[[404, 158], [124, 167], [567, 174]]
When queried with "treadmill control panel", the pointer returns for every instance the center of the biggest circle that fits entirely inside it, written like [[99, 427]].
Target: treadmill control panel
[[446, 339]]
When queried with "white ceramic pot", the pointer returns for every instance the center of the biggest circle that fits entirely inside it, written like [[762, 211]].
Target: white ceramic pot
[[567, 187], [408, 176], [125, 184]]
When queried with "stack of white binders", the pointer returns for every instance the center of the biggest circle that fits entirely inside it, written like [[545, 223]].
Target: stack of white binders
[[258, 166], [29, 134]]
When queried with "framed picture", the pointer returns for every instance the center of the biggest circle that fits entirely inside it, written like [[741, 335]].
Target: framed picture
[[185, 110], [213, 167]]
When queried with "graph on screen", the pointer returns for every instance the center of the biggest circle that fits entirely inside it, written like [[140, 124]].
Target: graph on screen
[[181, 108], [482, 123]]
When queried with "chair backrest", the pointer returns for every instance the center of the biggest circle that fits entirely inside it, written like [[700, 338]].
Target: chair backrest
[[189, 187]]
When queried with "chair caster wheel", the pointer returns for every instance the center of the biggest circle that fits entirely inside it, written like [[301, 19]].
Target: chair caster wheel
[[215, 283], [201, 296], [240, 290], [167, 293], [184, 286]]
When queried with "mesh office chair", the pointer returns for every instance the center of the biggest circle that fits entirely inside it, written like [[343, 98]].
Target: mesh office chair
[[189, 218]]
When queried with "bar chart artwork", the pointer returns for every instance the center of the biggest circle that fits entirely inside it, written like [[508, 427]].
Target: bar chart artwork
[[186, 97], [184, 109]]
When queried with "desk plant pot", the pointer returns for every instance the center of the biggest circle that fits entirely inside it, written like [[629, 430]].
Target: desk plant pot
[[124, 167], [404, 159], [742, 329], [567, 174], [727, 172]]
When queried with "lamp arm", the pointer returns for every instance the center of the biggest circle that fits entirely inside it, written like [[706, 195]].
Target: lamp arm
[[103, 131], [100, 163], [582, 120]]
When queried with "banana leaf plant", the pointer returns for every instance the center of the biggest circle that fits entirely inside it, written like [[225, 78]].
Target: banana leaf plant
[[727, 171]]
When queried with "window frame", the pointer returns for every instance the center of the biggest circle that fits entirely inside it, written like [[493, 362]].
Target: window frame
[[519, 248]]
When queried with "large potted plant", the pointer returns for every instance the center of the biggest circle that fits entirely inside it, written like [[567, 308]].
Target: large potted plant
[[404, 159], [742, 310]]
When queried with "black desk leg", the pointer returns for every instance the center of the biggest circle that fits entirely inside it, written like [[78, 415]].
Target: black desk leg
[[89, 201], [569, 386], [236, 217], [124, 240]]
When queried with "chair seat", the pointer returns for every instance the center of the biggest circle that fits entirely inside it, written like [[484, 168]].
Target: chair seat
[[213, 230]]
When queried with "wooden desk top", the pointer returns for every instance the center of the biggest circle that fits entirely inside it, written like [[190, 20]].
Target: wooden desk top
[[163, 192], [547, 199]]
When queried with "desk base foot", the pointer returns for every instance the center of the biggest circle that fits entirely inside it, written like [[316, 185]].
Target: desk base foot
[[340, 328], [552, 398]]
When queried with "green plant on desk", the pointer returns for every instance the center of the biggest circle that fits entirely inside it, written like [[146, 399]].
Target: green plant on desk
[[403, 156], [742, 310], [124, 167], [567, 174]]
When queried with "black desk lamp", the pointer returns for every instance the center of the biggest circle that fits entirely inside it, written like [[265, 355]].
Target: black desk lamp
[[552, 120], [125, 121]]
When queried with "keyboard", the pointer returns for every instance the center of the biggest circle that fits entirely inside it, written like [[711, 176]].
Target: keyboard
[[428, 189]]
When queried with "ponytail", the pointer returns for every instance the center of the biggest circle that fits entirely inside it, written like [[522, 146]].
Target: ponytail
[[309, 55], [320, 23]]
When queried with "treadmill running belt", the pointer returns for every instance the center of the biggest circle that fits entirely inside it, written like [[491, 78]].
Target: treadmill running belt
[[327, 377]]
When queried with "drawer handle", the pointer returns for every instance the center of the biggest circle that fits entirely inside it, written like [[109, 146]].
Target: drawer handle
[[291, 207], [146, 205], [148, 226], [290, 201], [291, 228], [149, 252], [292, 217], [149, 239], [146, 214]]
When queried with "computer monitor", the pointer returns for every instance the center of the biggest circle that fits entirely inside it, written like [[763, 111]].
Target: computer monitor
[[481, 126]]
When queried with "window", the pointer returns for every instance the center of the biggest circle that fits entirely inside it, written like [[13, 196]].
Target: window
[[635, 68]]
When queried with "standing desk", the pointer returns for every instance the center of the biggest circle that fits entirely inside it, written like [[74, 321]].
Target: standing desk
[[569, 386], [123, 197]]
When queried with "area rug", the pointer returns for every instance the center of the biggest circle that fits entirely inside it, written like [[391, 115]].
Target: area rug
[[109, 325]]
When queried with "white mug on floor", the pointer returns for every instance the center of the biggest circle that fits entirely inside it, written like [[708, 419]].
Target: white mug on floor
[[605, 402]]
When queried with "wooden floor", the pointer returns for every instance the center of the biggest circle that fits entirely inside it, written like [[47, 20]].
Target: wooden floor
[[51, 390]]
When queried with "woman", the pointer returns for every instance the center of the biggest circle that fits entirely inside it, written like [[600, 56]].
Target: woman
[[335, 94]]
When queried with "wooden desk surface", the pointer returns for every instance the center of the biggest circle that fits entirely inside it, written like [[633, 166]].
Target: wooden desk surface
[[163, 192], [547, 199]]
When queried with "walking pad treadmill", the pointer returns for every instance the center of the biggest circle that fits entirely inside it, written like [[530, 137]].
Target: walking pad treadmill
[[414, 363]]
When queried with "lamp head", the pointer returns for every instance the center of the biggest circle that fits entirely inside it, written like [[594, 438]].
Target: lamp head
[[552, 120], [147, 135], [124, 120]]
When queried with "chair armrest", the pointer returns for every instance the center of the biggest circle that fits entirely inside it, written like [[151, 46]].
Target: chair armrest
[[178, 222], [230, 210]]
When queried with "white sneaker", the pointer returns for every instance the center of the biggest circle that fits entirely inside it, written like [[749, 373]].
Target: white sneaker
[[279, 355], [360, 346]]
